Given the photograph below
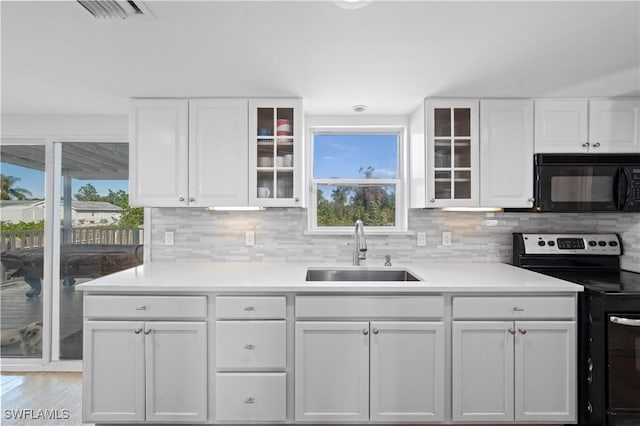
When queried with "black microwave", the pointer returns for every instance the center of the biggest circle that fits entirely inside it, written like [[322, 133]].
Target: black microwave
[[587, 182]]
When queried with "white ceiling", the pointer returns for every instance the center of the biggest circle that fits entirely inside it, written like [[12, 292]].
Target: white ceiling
[[56, 58]]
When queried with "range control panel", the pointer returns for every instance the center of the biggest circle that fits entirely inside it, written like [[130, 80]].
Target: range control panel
[[603, 244]]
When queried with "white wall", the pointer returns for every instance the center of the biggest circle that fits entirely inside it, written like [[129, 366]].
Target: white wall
[[65, 127]]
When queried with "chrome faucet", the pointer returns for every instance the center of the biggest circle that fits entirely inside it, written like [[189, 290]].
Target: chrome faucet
[[359, 244]]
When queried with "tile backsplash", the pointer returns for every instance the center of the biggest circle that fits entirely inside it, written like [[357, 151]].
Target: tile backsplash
[[202, 235]]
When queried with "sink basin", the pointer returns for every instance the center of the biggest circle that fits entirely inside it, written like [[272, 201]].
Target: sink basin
[[359, 275]]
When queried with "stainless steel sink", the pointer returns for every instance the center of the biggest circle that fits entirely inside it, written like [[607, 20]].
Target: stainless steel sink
[[359, 275]]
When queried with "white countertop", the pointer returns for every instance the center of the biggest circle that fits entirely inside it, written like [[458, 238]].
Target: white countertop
[[240, 277]]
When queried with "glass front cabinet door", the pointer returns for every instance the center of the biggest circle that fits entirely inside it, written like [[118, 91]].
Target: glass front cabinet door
[[452, 152], [275, 162]]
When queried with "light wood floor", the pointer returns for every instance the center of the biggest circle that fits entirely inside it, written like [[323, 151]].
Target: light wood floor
[[41, 391]]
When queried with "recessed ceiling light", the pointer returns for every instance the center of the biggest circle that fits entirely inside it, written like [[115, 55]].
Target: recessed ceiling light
[[352, 4], [359, 108]]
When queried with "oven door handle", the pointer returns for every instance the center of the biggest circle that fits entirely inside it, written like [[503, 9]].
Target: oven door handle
[[625, 321]]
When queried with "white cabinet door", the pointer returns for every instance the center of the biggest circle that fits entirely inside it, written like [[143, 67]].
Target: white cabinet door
[[561, 126], [545, 371], [176, 371], [158, 153], [614, 126], [506, 153], [407, 371], [113, 371], [218, 152], [332, 371], [452, 152], [482, 371], [276, 156]]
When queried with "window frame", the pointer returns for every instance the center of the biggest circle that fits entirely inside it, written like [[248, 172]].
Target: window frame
[[400, 182]]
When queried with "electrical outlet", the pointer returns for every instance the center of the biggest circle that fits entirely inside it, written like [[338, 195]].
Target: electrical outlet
[[249, 238], [168, 238], [446, 239], [422, 239]]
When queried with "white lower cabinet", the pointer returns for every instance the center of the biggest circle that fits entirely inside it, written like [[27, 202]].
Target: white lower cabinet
[[513, 371], [361, 371], [145, 371], [251, 359]]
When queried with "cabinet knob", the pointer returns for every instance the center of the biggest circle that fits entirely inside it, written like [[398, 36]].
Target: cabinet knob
[[365, 331], [181, 199], [297, 200], [512, 331], [191, 200], [249, 346], [433, 200], [249, 400], [531, 200], [522, 331], [148, 331], [376, 331], [585, 145], [138, 331], [596, 145]]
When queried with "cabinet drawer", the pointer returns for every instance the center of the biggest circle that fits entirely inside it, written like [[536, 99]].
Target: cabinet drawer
[[513, 307], [145, 307], [251, 344], [251, 397], [251, 307], [369, 307]]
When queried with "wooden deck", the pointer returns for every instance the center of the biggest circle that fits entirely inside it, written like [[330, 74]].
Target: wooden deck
[[18, 310]]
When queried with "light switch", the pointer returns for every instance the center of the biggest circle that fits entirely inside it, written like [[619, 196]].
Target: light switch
[[422, 239]]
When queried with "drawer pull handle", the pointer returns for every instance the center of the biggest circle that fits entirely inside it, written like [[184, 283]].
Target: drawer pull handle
[[141, 308], [249, 346], [517, 309], [512, 331], [249, 308], [147, 332], [249, 400], [522, 331], [138, 331]]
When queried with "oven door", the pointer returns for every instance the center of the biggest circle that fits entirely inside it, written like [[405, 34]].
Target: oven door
[[577, 187], [623, 350]]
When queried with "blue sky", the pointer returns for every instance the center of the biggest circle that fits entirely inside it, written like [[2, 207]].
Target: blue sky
[[33, 180], [341, 156]]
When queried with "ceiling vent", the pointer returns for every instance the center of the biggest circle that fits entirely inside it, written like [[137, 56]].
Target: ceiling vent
[[113, 10]]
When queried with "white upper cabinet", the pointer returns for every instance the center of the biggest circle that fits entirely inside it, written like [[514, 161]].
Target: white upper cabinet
[[198, 153], [218, 152], [158, 152], [561, 126], [452, 152], [275, 153], [587, 126], [506, 153], [188, 153], [614, 126]]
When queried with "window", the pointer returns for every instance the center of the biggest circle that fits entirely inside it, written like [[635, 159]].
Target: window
[[356, 174]]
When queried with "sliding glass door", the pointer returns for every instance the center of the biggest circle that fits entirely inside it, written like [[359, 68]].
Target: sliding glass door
[[80, 191], [22, 249]]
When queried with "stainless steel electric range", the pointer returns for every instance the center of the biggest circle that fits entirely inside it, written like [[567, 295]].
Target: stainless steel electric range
[[608, 319]]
